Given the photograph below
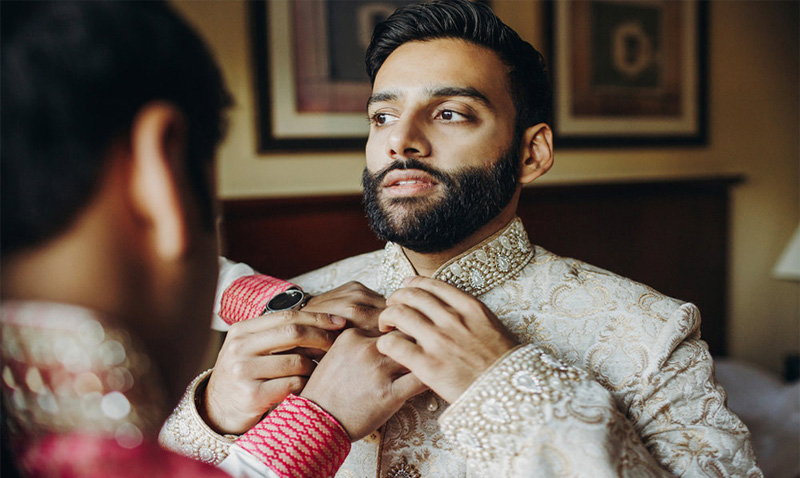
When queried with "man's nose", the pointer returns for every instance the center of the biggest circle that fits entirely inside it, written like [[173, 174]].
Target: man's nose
[[408, 140]]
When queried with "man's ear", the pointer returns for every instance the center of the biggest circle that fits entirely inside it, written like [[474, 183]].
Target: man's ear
[[536, 157], [158, 150]]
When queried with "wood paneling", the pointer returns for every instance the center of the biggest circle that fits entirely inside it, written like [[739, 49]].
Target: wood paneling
[[670, 235]]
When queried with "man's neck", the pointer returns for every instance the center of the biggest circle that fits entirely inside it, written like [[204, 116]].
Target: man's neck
[[85, 273], [426, 264], [89, 264], [64, 272]]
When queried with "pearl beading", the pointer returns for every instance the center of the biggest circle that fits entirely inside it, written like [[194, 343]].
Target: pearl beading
[[518, 391], [396, 268], [186, 433], [476, 271]]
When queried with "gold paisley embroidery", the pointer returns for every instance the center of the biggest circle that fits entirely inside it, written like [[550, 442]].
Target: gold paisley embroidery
[[694, 446], [511, 298], [498, 259], [637, 343], [654, 305], [403, 470], [583, 408], [617, 359], [530, 328], [556, 459], [403, 429], [575, 302]]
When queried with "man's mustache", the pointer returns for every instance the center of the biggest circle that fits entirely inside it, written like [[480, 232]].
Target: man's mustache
[[437, 174]]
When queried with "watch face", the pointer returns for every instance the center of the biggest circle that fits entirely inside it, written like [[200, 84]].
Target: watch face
[[285, 300]]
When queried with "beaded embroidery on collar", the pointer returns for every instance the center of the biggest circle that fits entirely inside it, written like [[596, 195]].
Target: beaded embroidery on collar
[[476, 271]]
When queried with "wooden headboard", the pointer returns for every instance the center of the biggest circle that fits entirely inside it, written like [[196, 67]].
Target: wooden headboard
[[671, 235]]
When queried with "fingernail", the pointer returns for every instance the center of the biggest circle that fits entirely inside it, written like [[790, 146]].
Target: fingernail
[[336, 320]]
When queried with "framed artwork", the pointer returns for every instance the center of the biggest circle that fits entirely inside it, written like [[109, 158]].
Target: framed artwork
[[311, 84], [628, 72]]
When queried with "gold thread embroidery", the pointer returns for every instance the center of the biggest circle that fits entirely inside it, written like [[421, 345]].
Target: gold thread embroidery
[[403, 469], [497, 259]]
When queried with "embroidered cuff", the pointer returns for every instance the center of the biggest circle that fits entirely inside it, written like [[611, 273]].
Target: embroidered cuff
[[186, 433], [298, 440], [515, 392], [247, 297]]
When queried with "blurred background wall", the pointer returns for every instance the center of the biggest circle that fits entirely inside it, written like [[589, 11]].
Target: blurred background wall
[[753, 130]]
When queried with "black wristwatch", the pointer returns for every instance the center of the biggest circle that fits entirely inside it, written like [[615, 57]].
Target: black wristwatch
[[289, 299]]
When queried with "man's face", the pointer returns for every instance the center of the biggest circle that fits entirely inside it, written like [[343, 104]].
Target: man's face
[[442, 157]]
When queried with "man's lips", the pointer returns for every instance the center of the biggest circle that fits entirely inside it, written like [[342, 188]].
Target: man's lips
[[407, 182]]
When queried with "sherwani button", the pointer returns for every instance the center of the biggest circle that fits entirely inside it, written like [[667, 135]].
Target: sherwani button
[[373, 437], [432, 403]]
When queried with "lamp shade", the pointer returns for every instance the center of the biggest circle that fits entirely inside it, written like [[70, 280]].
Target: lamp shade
[[788, 266]]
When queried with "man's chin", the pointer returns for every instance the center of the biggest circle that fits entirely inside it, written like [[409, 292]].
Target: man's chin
[[405, 230], [398, 224], [406, 216]]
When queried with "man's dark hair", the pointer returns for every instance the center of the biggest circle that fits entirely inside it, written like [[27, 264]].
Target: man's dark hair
[[74, 75], [476, 23]]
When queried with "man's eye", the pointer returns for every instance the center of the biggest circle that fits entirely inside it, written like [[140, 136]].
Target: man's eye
[[381, 118], [449, 115]]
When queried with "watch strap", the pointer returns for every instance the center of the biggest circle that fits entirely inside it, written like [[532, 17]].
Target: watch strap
[[247, 296]]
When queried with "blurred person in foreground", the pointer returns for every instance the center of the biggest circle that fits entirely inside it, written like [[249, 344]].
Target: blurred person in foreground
[[538, 365], [112, 112]]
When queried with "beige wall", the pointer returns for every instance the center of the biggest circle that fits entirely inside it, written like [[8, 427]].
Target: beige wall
[[754, 129]]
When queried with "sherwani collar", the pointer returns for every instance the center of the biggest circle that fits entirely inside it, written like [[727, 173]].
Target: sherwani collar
[[476, 271]]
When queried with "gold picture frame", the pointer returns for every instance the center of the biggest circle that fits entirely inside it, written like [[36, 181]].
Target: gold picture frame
[[628, 72]]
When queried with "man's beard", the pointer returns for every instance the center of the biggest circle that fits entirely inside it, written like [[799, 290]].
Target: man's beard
[[472, 197]]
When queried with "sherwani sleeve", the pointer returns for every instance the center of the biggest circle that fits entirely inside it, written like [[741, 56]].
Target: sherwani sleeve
[[187, 434], [531, 415], [681, 410], [297, 439]]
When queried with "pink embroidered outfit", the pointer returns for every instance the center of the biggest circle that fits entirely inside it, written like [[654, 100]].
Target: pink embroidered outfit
[[79, 399]]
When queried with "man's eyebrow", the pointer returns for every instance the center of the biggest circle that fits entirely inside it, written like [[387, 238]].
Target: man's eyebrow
[[435, 92], [382, 96], [463, 91]]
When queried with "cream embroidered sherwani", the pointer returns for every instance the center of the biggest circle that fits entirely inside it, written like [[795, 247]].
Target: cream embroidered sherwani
[[614, 379]]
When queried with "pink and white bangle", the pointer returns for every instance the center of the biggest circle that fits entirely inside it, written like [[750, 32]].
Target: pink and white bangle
[[298, 440], [247, 297]]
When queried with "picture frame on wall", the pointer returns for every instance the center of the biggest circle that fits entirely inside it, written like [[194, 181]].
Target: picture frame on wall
[[628, 72], [310, 79]]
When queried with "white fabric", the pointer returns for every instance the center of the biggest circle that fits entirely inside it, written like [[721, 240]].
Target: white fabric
[[241, 464], [645, 392], [533, 416], [642, 347], [771, 409]]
